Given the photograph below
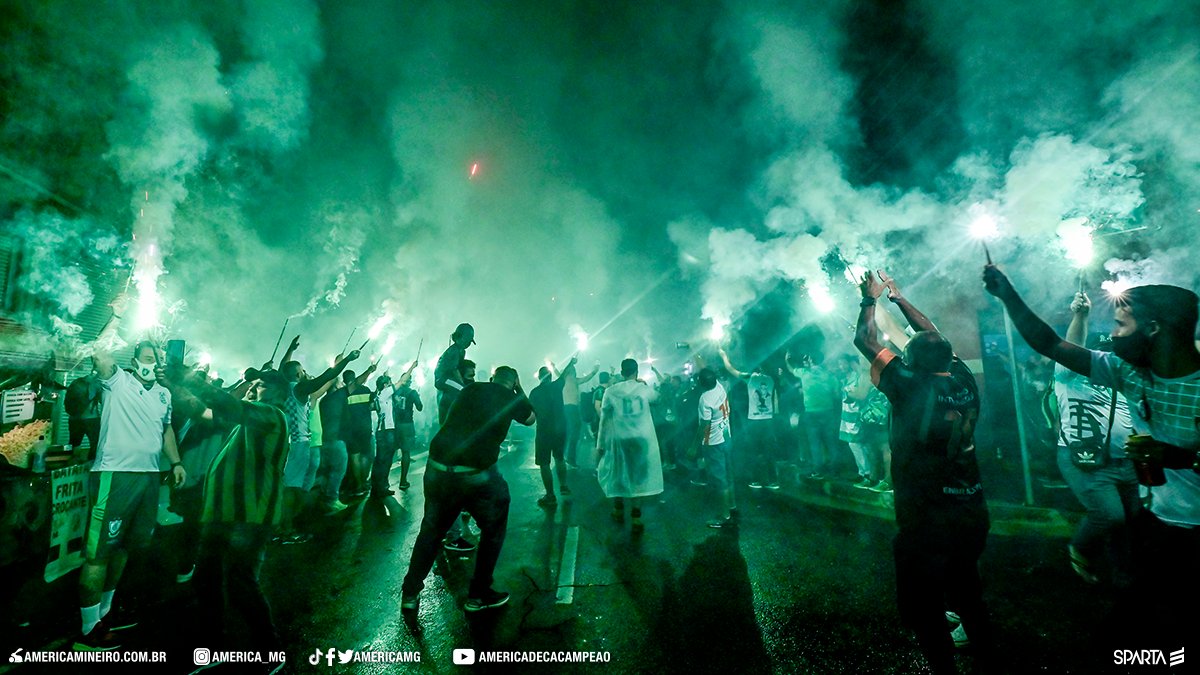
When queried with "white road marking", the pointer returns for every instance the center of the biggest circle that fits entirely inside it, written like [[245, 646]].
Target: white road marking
[[566, 570]]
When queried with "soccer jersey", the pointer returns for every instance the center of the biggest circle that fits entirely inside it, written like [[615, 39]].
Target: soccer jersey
[[132, 421], [1083, 412], [244, 483], [383, 399], [1170, 408], [356, 418], [714, 410], [404, 399], [935, 475]]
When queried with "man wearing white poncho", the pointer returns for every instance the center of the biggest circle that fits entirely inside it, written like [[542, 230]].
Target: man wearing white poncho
[[629, 462]]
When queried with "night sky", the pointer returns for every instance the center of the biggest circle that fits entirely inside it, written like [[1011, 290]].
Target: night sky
[[643, 168]]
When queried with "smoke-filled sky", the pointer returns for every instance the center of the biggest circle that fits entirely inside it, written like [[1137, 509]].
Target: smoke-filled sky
[[539, 168]]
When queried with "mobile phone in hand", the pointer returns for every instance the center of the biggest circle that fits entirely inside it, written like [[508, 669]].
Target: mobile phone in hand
[[175, 349]]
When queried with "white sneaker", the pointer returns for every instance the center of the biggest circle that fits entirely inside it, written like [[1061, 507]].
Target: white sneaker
[[184, 578]]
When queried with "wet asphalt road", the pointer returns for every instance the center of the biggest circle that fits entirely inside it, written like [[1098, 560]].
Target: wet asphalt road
[[802, 586]]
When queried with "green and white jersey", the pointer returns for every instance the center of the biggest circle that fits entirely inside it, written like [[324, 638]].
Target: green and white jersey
[[1170, 408]]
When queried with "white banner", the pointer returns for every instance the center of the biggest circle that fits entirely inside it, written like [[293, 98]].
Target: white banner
[[68, 519]]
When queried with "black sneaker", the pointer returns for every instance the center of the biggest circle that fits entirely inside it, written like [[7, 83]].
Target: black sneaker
[[547, 501], [460, 544], [100, 639], [489, 600], [410, 603], [404, 485]]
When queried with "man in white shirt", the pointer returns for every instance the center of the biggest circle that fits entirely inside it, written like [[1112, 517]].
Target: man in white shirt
[[716, 444], [629, 466], [135, 437]]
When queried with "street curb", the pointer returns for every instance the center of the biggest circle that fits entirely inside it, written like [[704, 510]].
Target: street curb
[[1007, 519]]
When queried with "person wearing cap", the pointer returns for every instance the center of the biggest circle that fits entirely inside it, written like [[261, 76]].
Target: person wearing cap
[[446, 377], [461, 475]]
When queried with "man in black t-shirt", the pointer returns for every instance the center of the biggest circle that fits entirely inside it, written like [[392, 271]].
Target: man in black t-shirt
[[461, 475], [940, 510], [357, 432], [550, 438], [333, 448], [404, 400]]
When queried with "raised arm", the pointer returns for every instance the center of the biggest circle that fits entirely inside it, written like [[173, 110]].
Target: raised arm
[[1040, 336], [1077, 331], [915, 318], [891, 328], [866, 335], [362, 379], [569, 370], [729, 366], [307, 387], [102, 348], [295, 344], [584, 380]]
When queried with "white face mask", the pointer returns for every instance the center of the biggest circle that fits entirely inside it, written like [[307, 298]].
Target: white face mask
[[145, 371]]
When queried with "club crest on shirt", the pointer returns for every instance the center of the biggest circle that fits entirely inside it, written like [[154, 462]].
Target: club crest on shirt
[[162, 397], [114, 527]]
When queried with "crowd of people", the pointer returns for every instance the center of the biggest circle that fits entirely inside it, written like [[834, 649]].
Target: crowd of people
[[248, 463]]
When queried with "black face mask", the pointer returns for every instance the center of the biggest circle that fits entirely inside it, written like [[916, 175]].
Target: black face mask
[[1134, 348]]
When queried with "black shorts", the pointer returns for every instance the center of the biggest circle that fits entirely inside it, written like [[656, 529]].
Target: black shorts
[[549, 445], [357, 444], [124, 511]]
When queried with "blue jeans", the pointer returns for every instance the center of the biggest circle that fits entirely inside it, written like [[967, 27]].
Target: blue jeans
[[484, 496], [334, 458], [719, 465], [385, 454]]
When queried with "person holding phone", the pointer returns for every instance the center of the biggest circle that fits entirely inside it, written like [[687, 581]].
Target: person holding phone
[[135, 436]]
